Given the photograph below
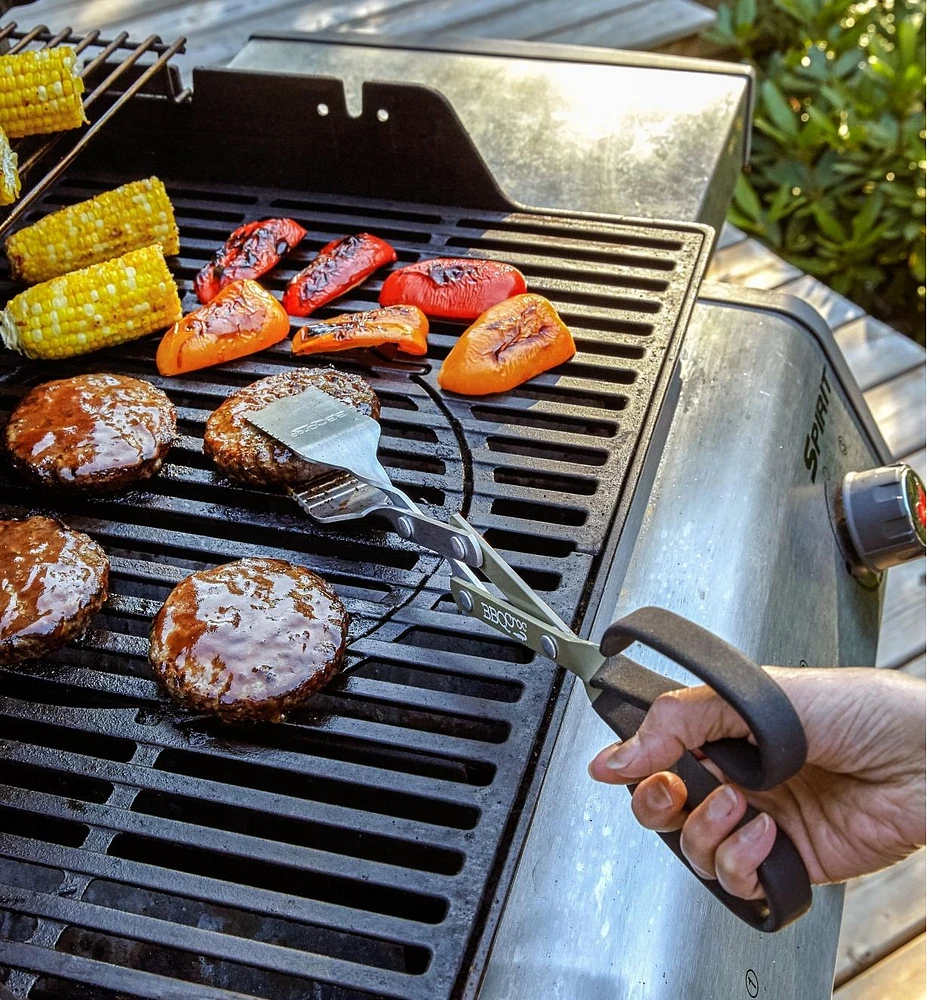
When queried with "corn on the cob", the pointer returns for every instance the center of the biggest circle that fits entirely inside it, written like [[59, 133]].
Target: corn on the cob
[[40, 92], [9, 172], [98, 306], [127, 218]]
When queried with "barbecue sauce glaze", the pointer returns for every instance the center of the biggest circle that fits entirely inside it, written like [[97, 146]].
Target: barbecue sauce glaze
[[52, 580], [248, 640], [92, 431]]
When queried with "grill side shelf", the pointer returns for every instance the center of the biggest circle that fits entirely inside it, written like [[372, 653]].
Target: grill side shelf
[[352, 849]]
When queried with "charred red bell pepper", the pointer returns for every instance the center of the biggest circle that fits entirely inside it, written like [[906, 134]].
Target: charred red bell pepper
[[249, 252], [340, 266], [509, 344], [404, 326], [453, 287], [241, 319]]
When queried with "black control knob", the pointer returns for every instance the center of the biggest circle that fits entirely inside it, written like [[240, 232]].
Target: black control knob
[[885, 515]]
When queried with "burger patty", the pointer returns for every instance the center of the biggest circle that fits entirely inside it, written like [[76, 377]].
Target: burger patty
[[52, 582], [245, 453], [248, 640], [91, 432]]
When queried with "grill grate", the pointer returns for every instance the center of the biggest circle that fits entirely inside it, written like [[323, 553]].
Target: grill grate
[[350, 852]]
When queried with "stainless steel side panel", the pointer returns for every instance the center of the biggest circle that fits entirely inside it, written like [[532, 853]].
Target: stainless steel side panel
[[738, 538]]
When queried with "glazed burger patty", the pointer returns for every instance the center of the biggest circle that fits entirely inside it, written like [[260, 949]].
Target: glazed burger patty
[[91, 432], [248, 640], [248, 454], [52, 582]]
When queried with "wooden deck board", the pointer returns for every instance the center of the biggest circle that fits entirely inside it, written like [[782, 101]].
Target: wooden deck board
[[875, 352], [738, 260], [898, 407], [438, 15], [835, 308], [898, 977], [528, 18], [217, 29], [901, 637], [881, 913], [644, 26]]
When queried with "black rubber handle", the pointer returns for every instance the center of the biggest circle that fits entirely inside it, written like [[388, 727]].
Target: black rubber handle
[[780, 749], [628, 690]]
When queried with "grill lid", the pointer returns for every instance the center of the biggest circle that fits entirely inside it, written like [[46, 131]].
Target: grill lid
[[355, 849]]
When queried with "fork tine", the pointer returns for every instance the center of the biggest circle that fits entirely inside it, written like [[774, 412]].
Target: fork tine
[[341, 496]]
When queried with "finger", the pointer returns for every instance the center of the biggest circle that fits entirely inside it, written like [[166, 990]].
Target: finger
[[707, 827], [677, 721], [739, 856], [658, 802]]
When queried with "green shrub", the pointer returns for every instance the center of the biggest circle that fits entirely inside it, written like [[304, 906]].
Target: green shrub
[[836, 182]]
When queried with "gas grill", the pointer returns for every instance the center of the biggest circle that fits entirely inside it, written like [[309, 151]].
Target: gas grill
[[353, 850], [365, 847]]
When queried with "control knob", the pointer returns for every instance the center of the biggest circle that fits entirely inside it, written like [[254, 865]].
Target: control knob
[[885, 515]]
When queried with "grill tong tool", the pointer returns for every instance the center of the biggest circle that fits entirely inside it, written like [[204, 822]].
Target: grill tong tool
[[331, 433]]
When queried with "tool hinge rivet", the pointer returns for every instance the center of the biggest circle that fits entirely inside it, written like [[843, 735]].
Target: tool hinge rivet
[[458, 547], [404, 527], [465, 601], [549, 646]]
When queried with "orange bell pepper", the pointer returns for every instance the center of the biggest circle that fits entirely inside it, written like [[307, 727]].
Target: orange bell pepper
[[242, 319], [509, 344], [404, 326]]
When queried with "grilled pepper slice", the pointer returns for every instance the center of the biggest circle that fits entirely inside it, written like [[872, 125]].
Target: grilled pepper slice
[[404, 326], [340, 266], [242, 319], [453, 287], [252, 250], [509, 344]]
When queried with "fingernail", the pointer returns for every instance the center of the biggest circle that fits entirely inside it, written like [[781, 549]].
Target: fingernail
[[755, 829], [722, 803], [658, 796], [623, 756]]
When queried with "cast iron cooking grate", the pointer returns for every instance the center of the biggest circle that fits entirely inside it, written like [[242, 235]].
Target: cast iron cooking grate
[[352, 851]]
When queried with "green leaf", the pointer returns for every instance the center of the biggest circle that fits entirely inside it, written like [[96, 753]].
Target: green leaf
[[847, 63], [777, 106], [880, 66], [746, 198], [745, 14], [828, 223], [802, 10], [866, 218], [906, 42], [784, 203]]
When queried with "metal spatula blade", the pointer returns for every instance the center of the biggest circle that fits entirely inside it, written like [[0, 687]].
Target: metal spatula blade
[[323, 429], [333, 434]]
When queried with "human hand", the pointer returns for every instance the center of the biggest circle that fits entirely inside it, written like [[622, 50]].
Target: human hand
[[856, 806]]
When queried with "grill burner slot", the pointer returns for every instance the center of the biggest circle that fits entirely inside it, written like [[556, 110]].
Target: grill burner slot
[[311, 938], [348, 852], [46, 829], [316, 789], [280, 878]]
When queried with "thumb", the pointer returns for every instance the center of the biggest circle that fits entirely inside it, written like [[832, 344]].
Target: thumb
[[677, 721]]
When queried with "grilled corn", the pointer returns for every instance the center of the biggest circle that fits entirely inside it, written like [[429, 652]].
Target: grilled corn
[[99, 306], [9, 172], [126, 218], [40, 92]]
